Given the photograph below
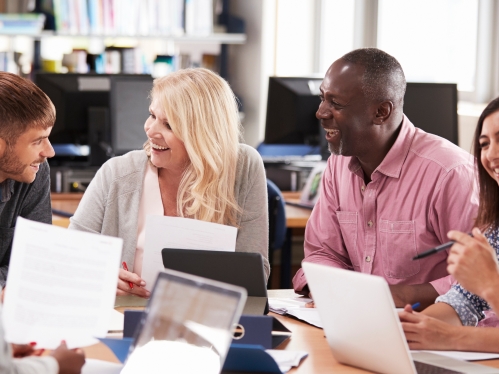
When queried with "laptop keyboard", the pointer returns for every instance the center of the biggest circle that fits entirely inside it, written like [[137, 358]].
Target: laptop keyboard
[[423, 368]]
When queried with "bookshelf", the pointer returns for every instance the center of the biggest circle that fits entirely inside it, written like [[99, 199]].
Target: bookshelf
[[219, 38]]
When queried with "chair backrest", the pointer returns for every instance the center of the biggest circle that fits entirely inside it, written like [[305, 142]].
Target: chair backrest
[[277, 216]]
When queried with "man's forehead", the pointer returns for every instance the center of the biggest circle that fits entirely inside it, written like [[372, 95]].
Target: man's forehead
[[343, 76]]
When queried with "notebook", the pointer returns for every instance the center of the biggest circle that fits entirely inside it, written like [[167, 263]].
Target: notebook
[[363, 329], [237, 268]]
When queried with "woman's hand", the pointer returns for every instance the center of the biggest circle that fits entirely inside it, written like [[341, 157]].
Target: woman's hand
[[423, 332], [24, 350], [124, 279], [473, 262]]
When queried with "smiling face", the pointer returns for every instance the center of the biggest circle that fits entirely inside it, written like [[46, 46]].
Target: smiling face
[[344, 112], [489, 145], [21, 161], [167, 151]]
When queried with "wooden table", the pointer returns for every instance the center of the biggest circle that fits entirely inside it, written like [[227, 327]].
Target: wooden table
[[296, 217], [304, 338]]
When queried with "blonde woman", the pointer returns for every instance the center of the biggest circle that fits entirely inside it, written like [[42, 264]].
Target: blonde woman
[[191, 166]]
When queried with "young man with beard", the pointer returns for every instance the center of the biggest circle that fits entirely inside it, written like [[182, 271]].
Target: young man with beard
[[26, 118], [390, 190]]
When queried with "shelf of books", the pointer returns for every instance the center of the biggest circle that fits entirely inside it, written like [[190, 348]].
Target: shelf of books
[[219, 38]]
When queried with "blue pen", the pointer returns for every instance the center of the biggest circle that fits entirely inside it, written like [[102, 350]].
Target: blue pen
[[414, 306]]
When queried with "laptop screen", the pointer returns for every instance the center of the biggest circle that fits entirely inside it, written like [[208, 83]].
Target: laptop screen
[[186, 317]]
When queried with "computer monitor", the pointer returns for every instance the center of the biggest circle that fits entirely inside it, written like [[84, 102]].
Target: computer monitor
[[129, 110], [291, 106], [433, 108], [95, 112], [72, 95], [293, 102]]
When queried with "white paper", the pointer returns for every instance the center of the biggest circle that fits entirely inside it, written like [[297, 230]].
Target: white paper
[[295, 306], [116, 321], [280, 305], [183, 233], [61, 285], [286, 359], [309, 315], [464, 355], [93, 366]]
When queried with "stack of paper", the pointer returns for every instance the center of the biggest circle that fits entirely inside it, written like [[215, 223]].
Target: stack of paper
[[295, 306], [286, 359]]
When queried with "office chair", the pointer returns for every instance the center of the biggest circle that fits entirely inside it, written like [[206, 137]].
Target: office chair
[[278, 234]]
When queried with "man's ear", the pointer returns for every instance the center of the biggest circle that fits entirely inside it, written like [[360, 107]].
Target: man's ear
[[383, 112]]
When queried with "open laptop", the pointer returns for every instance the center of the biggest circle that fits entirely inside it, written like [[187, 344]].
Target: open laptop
[[363, 329], [237, 268], [186, 317]]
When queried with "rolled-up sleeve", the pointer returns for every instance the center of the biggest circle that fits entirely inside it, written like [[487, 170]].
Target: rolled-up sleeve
[[469, 307]]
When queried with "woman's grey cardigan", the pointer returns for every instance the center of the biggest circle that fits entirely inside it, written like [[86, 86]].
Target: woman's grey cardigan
[[110, 205]]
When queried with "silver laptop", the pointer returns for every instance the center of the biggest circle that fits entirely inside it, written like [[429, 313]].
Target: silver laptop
[[363, 329], [187, 326], [238, 268]]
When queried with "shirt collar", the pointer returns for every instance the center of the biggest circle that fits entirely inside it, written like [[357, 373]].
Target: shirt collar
[[6, 190], [391, 165]]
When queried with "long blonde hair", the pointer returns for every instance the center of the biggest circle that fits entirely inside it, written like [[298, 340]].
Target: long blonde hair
[[202, 112]]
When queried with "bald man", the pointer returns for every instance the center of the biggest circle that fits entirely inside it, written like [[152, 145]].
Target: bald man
[[390, 190]]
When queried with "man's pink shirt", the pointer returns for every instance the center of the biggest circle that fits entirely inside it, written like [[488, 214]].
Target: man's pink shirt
[[423, 188]]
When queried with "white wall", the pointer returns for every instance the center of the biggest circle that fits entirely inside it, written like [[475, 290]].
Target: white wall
[[251, 64]]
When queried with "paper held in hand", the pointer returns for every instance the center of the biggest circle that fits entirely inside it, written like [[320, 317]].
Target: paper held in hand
[[181, 233], [61, 285]]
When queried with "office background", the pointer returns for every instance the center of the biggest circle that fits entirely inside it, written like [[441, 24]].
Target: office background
[[442, 41]]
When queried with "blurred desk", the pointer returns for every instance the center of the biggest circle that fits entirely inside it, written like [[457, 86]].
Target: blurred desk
[[304, 338], [296, 217], [67, 202]]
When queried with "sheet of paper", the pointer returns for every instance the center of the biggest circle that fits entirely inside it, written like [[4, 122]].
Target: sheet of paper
[[93, 366], [280, 305], [309, 315], [286, 359], [184, 233], [61, 285], [116, 322], [465, 356]]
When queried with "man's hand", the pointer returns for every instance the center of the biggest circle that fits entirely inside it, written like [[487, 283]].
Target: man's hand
[[138, 285], [473, 262], [70, 361], [423, 332], [424, 294]]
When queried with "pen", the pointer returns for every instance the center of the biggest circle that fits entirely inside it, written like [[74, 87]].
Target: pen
[[414, 306], [126, 268], [429, 252], [441, 247]]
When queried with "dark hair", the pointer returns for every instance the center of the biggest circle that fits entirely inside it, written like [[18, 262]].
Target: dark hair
[[22, 106], [488, 207], [383, 77]]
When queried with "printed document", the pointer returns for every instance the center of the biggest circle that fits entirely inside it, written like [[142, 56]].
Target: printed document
[[183, 233], [61, 285], [295, 306]]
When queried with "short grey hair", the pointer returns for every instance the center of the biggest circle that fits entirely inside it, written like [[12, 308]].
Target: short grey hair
[[383, 77]]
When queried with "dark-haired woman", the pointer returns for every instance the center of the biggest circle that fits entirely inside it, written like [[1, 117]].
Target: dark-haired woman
[[450, 323]]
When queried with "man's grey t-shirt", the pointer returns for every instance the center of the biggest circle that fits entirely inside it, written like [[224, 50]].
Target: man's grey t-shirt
[[28, 200]]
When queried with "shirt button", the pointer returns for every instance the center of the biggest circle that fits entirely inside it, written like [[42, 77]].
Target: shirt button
[[363, 188], [370, 223], [368, 258]]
